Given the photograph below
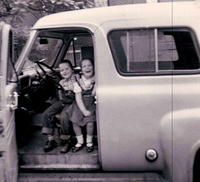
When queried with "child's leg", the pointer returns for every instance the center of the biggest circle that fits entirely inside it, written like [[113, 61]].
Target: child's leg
[[65, 131], [90, 128], [65, 124], [77, 129], [79, 137], [48, 116], [90, 131], [48, 125], [78, 132]]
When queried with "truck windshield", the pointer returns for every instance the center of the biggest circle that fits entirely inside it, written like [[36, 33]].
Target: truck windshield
[[45, 50]]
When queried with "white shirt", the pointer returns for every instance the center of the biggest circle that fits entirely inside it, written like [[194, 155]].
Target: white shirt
[[87, 84]]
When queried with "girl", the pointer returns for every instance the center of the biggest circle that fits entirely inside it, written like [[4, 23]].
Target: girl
[[66, 98], [83, 112]]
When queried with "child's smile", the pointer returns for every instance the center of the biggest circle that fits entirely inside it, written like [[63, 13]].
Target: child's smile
[[65, 71], [87, 68]]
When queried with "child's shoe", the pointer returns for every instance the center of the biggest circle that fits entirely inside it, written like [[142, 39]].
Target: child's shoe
[[77, 147], [66, 146], [89, 147], [79, 144], [50, 145]]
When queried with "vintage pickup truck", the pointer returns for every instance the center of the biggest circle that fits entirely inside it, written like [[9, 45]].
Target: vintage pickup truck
[[147, 71]]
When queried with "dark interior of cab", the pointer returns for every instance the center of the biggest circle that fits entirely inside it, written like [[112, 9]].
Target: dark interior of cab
[[36, 93]]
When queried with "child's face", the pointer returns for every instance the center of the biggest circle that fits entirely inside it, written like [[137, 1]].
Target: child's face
[[65, 70], [87, 68]]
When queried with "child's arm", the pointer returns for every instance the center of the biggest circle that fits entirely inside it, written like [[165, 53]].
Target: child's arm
[[79, 101], [60, 96]]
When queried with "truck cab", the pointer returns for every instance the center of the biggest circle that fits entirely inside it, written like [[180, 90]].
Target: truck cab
[[147, 75]]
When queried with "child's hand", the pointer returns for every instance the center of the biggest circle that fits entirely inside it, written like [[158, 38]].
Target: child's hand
[[87, 113]]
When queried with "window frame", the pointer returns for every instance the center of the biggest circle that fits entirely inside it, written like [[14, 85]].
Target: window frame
[[11, 62], [160, 72], [75, 61]]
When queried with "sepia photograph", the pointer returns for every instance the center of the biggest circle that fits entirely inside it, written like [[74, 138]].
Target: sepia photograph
[[99, 90]]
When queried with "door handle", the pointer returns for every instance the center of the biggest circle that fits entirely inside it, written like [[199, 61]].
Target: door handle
[[13, 101]]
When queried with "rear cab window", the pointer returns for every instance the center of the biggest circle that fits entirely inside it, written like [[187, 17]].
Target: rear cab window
[[154, 50]]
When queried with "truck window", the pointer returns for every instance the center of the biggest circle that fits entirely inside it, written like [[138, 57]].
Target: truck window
[[44, 50], [11, 60], [153, 50], [80, 47]]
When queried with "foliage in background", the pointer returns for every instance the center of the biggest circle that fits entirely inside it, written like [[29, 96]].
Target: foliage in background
[[22, 14]]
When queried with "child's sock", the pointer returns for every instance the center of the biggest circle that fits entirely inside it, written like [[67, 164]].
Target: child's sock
[[79, 141], [50, 137], [89, 140]]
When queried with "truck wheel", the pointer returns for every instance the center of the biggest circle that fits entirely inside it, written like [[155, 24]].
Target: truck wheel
[[196, 167]]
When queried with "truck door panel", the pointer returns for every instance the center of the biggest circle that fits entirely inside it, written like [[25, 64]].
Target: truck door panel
[[8, 104], [132, 102]]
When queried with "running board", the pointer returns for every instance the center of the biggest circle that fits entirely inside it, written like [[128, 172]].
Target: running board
[[80, 161], [61, 167], [89, 177]]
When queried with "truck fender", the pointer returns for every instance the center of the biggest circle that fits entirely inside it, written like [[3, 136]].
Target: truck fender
[[180, 140]]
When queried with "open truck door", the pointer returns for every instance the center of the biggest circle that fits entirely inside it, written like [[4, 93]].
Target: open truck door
[[8, 103]]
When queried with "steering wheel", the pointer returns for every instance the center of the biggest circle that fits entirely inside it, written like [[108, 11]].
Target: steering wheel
[[54, 75], [40, 64]]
